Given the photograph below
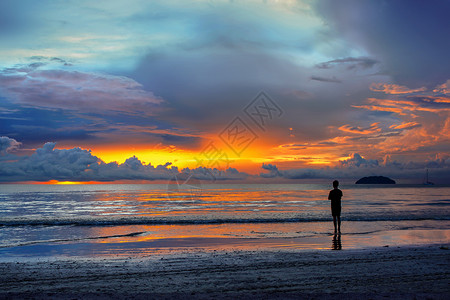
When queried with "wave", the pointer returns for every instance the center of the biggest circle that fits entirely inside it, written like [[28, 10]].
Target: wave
[[162, 221], [74, 239]]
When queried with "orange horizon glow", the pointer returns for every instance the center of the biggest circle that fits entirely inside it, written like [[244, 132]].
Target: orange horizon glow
[[250, 160], [261, 151], [65, 182]]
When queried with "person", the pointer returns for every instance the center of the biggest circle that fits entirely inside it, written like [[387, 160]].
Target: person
[[335, 197]]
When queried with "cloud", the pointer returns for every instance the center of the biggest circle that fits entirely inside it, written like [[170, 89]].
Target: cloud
[[359, 130], [408, 106], [408, 125], [205, 61], [76, 164], [394, 89], [443, 88], [350, 62], [397, 110], [357, 166], [413, 53], [333, 79], [45, 60], [423, 116], [273, 171], [213, 87], [8, 145], [36, 85], [213, 174], [356, 160]]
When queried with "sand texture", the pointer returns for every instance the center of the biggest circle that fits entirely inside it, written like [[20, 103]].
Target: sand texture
[[420, 272]]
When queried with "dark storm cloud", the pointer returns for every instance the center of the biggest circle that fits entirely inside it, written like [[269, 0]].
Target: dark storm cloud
[[206, 90], [409, 37], [208, 78]]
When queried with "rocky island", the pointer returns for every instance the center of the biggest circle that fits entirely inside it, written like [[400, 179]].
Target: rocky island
[[375, 180]]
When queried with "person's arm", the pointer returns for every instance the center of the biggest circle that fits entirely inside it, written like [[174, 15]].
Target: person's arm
[[329, 196]]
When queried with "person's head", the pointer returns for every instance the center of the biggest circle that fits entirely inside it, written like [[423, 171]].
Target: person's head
[[335, 184]]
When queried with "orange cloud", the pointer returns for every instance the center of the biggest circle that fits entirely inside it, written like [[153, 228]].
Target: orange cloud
[[392, 102], [411, 140], [405, 107], [442, 100], [408, 125], [359, 130], [443, 88], [394, 89], [381, 108]]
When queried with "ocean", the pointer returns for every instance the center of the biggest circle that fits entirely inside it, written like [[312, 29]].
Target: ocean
[[98, 220]]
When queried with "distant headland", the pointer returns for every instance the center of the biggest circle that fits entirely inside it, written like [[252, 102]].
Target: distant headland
[[375, 180]]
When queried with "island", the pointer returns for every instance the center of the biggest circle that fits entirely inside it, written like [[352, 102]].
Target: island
[[375, 180]]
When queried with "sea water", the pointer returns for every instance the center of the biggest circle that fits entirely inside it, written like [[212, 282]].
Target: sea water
[[143, 219]]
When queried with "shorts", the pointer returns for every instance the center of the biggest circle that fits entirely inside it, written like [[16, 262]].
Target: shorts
[[336, 210]]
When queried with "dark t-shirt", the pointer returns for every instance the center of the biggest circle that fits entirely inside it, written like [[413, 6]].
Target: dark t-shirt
[[335, 197]]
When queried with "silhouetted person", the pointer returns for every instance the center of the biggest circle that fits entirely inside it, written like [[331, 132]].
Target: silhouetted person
[[335, 197], [337, 245]]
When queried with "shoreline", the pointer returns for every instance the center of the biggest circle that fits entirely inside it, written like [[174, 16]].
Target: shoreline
[[399, 272], [141, 241]]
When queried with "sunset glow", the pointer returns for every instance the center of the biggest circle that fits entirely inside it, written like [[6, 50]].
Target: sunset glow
[[96, 92], [66, 182]]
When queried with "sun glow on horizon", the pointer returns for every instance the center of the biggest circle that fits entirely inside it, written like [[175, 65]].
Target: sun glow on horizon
[[65, 182], [179, 158], [250, 160]]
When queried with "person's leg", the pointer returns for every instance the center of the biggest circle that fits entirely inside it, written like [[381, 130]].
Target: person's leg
[[334, 223], [339, 224]]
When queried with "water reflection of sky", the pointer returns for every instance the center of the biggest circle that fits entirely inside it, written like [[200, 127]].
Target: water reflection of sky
[[371, 217], [143, 240], [280, 202]]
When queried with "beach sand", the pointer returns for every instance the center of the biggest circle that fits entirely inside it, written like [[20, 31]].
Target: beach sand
[[421, 272]]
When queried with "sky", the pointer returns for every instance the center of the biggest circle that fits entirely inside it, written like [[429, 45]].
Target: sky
[[94, 91]]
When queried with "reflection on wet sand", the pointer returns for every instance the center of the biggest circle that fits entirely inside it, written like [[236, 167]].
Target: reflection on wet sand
[[337, 244]]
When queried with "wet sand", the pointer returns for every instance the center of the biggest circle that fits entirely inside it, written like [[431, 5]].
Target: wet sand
[[395, 272]]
